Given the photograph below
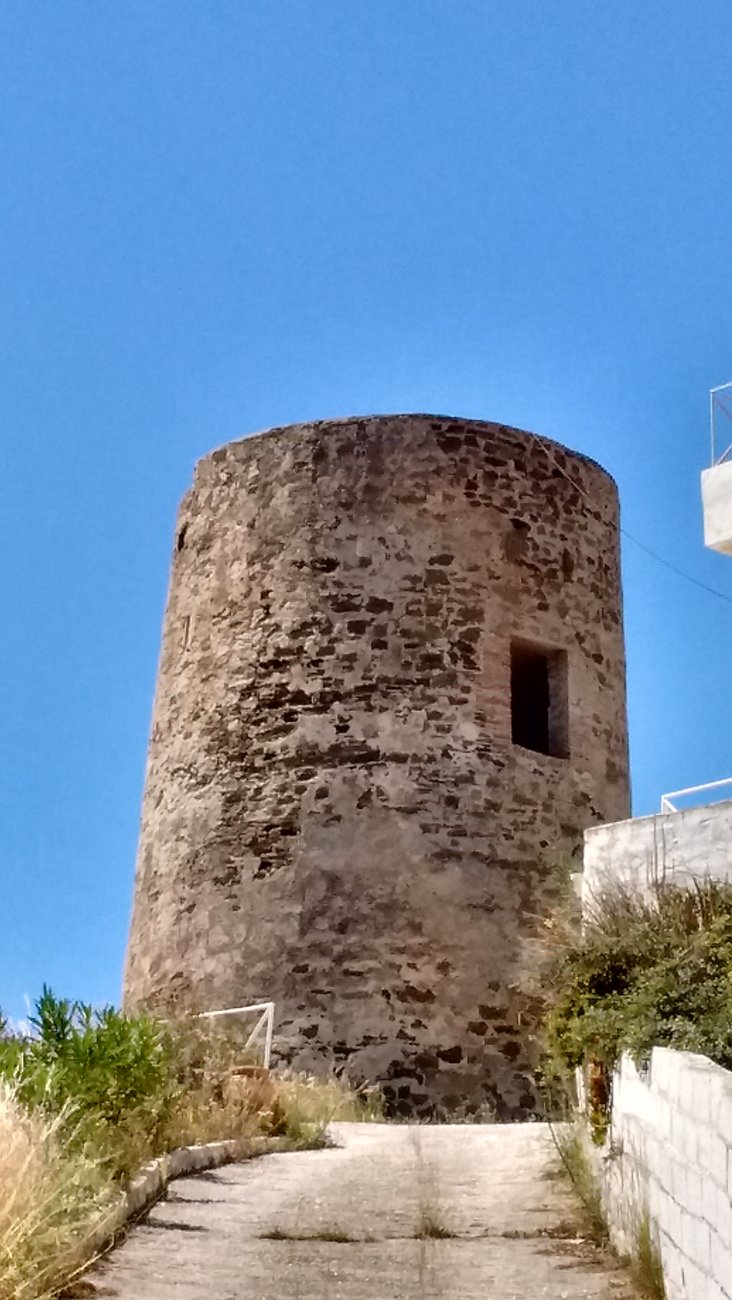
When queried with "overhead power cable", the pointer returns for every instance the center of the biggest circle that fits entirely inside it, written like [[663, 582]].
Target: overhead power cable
[[674, 569], [712, 591]]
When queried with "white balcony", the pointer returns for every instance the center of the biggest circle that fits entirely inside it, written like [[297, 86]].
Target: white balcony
[[716, 482], [717, 503]]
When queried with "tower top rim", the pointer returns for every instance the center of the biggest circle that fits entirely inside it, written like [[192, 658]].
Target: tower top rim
[[461, 423]]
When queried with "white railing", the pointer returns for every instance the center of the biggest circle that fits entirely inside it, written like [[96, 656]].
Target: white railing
[[262, 1029], [718, 402], [667, 804]]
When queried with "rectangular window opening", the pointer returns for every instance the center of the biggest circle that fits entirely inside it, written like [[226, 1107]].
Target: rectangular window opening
[[539, 699]]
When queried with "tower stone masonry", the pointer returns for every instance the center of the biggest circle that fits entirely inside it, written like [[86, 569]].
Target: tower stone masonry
[[391, 697]]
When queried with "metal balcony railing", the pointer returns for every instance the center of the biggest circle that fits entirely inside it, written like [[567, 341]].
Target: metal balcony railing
[[719, 405], [667, 800]]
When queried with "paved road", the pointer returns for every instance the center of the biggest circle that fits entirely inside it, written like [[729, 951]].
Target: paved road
[[392, 1212]]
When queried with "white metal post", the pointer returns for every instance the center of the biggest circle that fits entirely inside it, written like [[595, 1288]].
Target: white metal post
[[265, 1021], [268, 1037]]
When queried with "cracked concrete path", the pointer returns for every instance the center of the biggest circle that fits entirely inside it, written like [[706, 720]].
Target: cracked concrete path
[[392, 1212]]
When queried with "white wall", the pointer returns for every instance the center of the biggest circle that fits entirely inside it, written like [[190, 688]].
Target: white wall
[[669, 1154], [716, 484], [678, 847]]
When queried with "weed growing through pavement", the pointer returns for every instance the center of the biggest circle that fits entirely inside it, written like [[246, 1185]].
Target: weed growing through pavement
[[569, 1142], [644, 1260], [318, 1234], [431, 1223]]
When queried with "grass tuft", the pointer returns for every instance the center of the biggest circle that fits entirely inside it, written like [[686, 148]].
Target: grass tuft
[[569, 1141], [646, 1266], [318, 1234], [644, 1261], [431, 1227]]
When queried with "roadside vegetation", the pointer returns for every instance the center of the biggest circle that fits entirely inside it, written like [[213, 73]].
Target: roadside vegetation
[[640, 972], [634, 972], [87, 1097], [644, 1260]]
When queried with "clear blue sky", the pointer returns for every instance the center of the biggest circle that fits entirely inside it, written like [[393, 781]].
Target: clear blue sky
[[223, 215]]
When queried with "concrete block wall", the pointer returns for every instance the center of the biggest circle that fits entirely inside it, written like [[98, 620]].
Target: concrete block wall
[[678, 847], [669, 1155]]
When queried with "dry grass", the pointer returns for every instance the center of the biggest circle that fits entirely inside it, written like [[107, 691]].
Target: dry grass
[[570, 1145], [222, 1108], [296, 1107], [431, 1223], [318, 1234], [646, 1264], [94, 1095], [303, 1107], [51, 1203]]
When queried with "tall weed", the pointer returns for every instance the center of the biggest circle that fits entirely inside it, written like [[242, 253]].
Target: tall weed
[[51, 1202]]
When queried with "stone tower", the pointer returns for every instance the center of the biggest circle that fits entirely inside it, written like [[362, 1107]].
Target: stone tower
[[390, 699]]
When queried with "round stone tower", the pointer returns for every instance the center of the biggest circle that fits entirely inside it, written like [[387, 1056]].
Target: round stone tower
[[391, 697]]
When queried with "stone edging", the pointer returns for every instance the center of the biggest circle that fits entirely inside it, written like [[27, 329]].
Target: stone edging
[[151, 1181]]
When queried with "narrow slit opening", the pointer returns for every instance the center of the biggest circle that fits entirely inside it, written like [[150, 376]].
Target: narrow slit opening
[[539, 699]]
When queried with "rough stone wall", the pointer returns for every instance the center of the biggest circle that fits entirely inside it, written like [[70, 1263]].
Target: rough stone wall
[[335, 816]]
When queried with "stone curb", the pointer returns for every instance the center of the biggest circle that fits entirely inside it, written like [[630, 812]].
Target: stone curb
[[151, 1181]]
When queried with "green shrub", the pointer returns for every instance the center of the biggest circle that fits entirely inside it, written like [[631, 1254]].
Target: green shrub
[[642, 972], [113, 1076], [128, 1088], [89, 1096]]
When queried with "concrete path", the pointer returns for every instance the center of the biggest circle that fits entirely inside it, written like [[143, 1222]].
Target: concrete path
[[393, 1212]]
